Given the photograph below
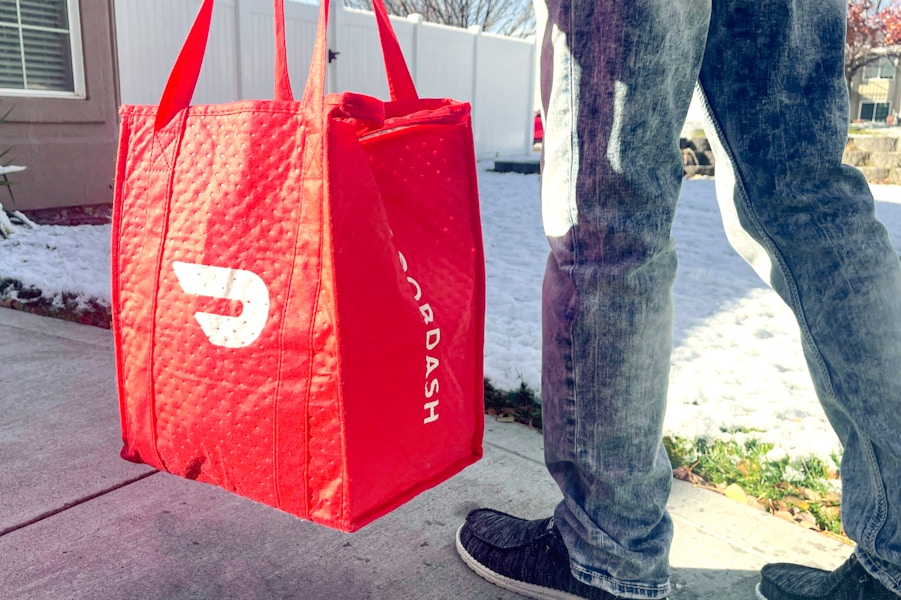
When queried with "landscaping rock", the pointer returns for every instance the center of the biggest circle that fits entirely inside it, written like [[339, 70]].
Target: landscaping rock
[[875, 174], [68, 307], [890, 160], [875, 143], [855, 158], [697, 157], [94, 214], [700, 144], [699, 170]]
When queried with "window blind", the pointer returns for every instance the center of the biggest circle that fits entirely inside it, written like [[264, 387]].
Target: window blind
[[35, 45]]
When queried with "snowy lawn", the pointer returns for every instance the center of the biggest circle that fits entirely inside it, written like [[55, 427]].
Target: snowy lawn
[[737, 372], [737, 367]]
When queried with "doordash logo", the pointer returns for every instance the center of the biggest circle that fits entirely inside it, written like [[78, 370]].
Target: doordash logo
[[238, 285], [432, 339]]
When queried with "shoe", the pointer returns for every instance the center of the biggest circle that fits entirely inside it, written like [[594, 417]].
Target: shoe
[[785, 581], [526, 557]]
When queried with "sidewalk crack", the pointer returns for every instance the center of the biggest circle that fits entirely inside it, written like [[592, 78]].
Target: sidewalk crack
[[74, 503]]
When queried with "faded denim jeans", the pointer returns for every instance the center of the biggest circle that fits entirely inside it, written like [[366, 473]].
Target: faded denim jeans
[[617, 78]]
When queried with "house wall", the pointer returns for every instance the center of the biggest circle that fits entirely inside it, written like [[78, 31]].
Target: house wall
[[876, 90], [68, 145]]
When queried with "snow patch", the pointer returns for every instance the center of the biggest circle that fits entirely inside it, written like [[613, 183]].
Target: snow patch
[[737, 370]]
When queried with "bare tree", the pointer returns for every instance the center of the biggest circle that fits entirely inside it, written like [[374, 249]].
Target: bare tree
[[504, 17]]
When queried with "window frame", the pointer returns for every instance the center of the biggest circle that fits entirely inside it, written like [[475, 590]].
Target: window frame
[[876, 106], [76, 51], [880, 66]]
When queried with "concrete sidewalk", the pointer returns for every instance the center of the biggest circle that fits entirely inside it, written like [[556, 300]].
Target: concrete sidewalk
[[76, 521]]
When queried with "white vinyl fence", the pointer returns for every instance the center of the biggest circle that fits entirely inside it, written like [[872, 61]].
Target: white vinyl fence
[[494, 73]]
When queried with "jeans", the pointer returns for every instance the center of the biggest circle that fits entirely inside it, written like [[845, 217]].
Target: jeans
[[616, 82]]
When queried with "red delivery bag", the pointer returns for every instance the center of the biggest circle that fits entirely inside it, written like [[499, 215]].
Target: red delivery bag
[[298, 288]]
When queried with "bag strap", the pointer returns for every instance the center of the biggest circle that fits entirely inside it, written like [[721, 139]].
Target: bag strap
[[400, 83], [282, 81], [183, 79]]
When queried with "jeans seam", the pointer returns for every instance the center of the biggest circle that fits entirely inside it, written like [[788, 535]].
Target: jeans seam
[[874, 524], [614, 586], [573, 141], [573, 207], [870, 566], [770, 246]]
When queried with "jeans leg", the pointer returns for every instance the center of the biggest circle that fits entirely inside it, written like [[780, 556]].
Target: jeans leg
[[617, 79], [777, 101]]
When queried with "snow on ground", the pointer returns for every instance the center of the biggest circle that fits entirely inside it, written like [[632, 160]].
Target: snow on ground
[[737, 365], [59, 260], [737, 370]]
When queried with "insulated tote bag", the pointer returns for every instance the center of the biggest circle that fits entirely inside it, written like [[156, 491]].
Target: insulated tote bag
[[298, 288]]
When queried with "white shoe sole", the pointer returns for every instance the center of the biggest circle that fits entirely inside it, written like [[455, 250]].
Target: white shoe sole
[[529, 590], [759, 595]]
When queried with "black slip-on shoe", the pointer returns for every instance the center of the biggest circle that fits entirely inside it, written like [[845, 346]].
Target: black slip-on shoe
[[526, 557], [786, 581]]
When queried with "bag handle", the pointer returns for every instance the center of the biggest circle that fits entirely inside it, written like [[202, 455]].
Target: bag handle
[[183, 79], [400, 83]]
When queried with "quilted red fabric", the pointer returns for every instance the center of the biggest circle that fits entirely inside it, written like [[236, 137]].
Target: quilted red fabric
[[298, 289]]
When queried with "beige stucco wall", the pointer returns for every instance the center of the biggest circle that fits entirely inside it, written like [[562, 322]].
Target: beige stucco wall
[[876, 90], [68, 145]]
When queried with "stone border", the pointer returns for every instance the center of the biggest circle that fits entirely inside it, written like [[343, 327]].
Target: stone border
[[94, 214], [29, 299]]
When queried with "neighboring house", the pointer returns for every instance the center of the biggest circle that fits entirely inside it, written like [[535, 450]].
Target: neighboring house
[[876, 92], [58, 75]]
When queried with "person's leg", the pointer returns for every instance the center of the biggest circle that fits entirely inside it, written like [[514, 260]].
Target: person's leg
[[617, 79], [617, 83], [774, 86]]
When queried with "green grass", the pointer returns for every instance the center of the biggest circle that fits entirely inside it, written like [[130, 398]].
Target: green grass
[[862, 129], [798, 490], [801, 489], [520, 405]]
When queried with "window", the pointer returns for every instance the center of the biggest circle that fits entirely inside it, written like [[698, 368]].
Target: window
[[875, 111], [40, 48], [883, 68]]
